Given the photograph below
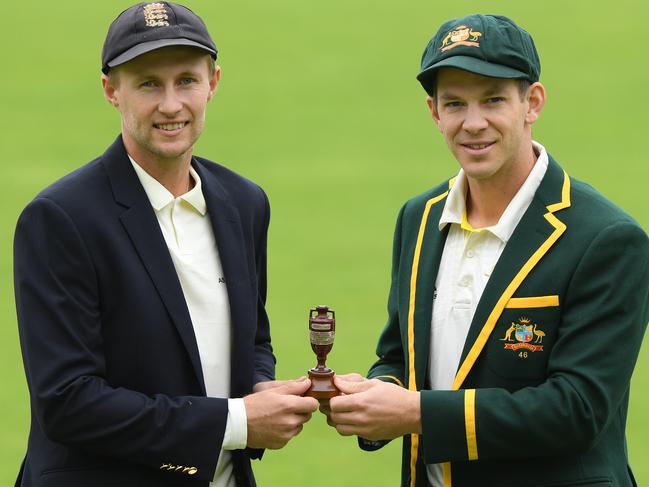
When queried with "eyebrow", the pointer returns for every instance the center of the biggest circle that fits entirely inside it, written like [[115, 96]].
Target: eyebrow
[[496, 88]]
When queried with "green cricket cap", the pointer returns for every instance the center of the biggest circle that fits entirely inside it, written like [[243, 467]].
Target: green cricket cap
[[489, 45]]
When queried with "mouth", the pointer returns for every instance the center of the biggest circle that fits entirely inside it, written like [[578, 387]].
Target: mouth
[[170, 127], [477, 148]]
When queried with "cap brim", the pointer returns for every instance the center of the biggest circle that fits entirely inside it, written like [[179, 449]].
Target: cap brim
[[473, 65], [145, 47]]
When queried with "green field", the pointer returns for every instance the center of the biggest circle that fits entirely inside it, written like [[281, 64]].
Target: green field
[[319, 104]]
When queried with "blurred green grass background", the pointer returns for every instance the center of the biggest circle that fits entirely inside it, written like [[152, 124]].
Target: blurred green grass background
[[318, 104]]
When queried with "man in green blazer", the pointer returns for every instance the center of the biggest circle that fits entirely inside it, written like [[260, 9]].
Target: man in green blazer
[[519, 295]]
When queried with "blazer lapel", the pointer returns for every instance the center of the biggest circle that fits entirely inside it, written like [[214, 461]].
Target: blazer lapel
[[425, 263], [536, 233], [226, 224], [142, 226]]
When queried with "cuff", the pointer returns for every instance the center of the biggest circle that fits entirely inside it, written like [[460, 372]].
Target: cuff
[[236, 428], [448, 426]]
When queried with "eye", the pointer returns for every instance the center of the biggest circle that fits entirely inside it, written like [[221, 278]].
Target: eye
[[187, 81], [148, 84], [496, 99], [453, 104]]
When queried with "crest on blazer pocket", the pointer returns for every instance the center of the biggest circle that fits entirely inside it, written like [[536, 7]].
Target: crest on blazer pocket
[[523, 336]]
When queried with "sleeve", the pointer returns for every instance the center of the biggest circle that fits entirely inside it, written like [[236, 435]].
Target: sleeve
[[264, 358], [390, 366], [603, 320], [60, 324]]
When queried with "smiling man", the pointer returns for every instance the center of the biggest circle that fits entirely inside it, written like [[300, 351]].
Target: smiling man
[[519, 295], [140, 285]]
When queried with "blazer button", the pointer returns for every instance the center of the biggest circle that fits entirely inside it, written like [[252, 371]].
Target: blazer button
[[192, 471]]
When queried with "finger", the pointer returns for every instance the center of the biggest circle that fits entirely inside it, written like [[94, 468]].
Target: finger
[[303, 405], [352, 377], [265, 385], [303, 418], [295, 387], [350, 419], [342, 404], [349, 387], [347, 430]]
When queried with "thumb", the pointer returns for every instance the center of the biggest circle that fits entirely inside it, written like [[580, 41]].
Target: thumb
[[294, 387], [352, 387]]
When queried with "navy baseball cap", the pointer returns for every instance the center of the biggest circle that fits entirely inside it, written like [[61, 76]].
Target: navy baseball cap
[[489, 45], [148, 26]]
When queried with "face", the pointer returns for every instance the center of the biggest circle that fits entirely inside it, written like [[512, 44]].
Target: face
[[162, 96], [486, 123]]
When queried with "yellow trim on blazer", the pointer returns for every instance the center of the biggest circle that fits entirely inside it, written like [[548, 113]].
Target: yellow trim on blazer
[[446, 474], [533, 302], [469, 421], [391, 377], [559, 228], [412, 378]]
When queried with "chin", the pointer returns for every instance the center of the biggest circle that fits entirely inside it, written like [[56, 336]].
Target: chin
[[173, 152]]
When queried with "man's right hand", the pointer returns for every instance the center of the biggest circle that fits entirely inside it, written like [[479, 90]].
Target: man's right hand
[[276, 414]]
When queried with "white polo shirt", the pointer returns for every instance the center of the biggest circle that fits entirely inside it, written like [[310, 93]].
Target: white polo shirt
[[189, 236], [468, 259]]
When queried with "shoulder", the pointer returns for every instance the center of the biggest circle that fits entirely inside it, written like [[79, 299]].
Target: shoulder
[[236, 185], [417, 205], [75, 193], [79, 183], [591, 212]]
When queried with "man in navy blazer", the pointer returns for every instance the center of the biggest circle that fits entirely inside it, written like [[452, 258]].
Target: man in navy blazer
[[140, 283]]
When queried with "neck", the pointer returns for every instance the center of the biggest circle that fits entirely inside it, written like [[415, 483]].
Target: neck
[[172, 173], [487, 199]]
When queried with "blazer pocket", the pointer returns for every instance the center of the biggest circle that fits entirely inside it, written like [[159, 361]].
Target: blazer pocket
[[522, 339]]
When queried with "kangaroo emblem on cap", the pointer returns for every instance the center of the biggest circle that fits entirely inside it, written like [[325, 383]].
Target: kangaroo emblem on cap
[[461, 36], [155, 15]]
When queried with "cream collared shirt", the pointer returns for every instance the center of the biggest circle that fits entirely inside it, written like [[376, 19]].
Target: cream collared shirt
[[468, 259], [189, 236]]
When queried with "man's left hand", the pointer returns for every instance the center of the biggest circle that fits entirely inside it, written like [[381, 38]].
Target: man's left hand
[[374, 409]]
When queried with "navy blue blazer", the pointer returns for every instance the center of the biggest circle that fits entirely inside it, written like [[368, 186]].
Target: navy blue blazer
[[115, 380]]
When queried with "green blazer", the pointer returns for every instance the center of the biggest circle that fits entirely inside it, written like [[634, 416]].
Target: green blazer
[[540, 397]]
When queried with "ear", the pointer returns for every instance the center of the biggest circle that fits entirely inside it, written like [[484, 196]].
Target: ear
[[432, 107], [110, 90], [214, 82], [535, 102]]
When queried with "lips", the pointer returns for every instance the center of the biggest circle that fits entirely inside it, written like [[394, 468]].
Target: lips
[[170, 127], [477, 145], [477, 148]]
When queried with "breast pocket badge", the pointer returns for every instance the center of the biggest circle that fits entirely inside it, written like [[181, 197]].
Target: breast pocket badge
[[523, 337]]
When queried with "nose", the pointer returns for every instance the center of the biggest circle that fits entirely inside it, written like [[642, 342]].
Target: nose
[[474, 121], [170, 103]]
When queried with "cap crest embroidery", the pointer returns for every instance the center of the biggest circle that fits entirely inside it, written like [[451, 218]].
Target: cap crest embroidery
[[460, 36], [155, 15]]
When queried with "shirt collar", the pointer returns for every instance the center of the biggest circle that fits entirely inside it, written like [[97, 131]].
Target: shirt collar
[[455, 206], [159, 196]]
